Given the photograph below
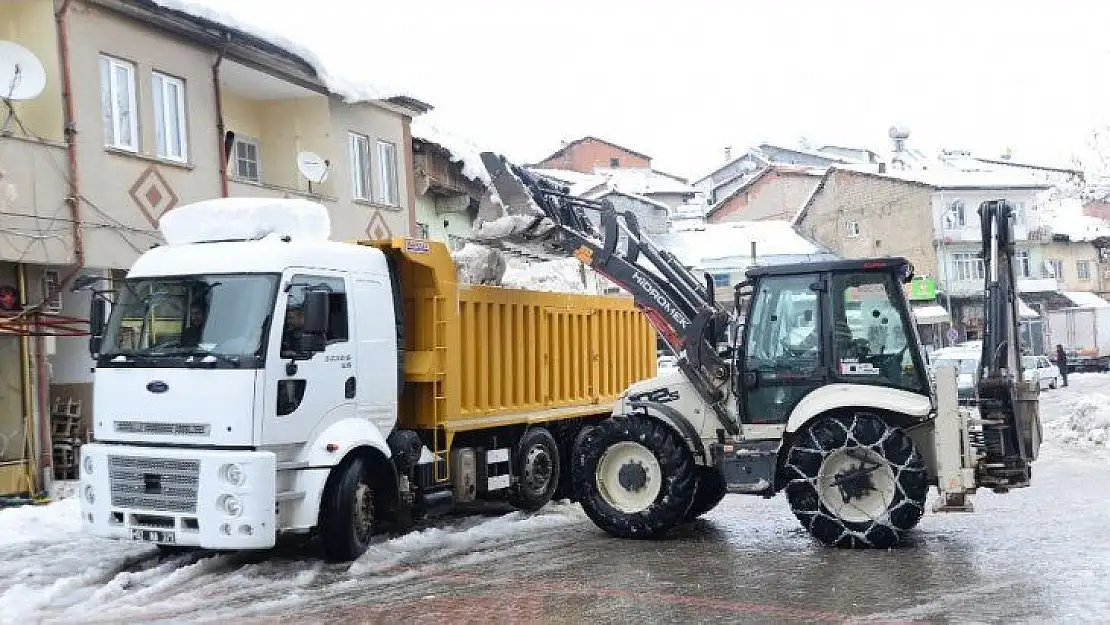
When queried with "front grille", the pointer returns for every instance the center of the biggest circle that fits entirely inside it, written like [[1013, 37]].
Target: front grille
[[163, 429], [161, 484]]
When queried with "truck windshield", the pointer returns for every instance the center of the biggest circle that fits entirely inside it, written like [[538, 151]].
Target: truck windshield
[[173, 317]]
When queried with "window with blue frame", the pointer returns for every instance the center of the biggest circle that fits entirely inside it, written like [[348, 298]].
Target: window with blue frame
[[720, 280]]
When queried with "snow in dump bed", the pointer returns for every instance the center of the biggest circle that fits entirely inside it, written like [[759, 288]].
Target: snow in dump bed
[[227, 219], [227, 14], [477, 264], [558, 276]]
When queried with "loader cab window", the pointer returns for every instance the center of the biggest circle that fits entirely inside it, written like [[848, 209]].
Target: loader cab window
[[872, 338], [785, 335]]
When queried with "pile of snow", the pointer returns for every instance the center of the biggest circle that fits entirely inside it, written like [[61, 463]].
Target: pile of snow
[[225, 219], [558, 276], [48, 523], [1086, 423], [477, 264], [349, 88]]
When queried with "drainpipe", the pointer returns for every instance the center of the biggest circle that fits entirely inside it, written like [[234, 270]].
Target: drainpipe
[[221, 130], [73, 198]]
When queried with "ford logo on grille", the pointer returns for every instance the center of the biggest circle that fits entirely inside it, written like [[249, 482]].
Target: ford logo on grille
[[157, 386]]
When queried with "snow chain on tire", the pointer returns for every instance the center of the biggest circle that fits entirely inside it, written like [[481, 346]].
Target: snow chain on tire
[[862, 435]]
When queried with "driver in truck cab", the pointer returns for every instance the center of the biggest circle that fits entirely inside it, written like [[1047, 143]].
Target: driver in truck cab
[[191, 334], [291, 334]]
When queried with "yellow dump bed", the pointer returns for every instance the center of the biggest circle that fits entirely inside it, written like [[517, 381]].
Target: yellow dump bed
[[479, 357]]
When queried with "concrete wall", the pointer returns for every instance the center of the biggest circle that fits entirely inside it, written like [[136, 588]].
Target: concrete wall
[[653, 219], [30, 23], [370, 218], [586, 155], [775, 195], [119, 227], [441, 226], [894, 219], [1070, 254], [35, 221]]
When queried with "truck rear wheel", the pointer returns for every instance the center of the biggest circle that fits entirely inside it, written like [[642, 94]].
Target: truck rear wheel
[[709, 492], [855, 481], [634, 477], [537, 470], [348, 513]]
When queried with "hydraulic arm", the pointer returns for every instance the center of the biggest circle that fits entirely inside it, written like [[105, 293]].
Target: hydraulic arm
[[1008, 406], [552, 223]]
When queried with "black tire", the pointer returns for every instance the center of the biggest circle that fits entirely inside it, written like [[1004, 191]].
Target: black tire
[[536, 467], [709, 492], [647, 438], [1052, 384], [901, 474], [347, 513], [175, 550]]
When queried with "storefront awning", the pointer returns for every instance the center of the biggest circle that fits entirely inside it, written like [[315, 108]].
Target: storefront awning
[[1084, 299], [928, 314]]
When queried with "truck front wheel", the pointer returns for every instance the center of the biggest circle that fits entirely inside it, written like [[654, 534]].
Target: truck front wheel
[[348, 513], [634, 477], [855, 481]]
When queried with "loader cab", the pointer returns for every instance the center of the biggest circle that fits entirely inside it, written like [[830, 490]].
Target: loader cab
[[815, 324]]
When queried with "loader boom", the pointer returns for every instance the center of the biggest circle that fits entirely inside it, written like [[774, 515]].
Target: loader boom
[[680, 307]]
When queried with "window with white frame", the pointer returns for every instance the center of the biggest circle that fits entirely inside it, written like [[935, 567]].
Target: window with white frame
[[1022, 265], [387, 174], [247, 160], [956, 215], [1057, 267], [853, 228], [1083, 270], [422, 231], [168, 99], [117, 100], [968, 266], [1019, 213], [359, 147], [52, 295]]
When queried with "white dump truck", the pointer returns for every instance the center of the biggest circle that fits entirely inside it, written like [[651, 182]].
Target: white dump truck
[[254, 378]]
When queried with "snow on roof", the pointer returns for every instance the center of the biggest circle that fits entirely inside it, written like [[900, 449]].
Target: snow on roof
[[1065, 216], [728, 245], [1083, 299], [578, 182], [348, 87], [462, 150], [943, 177], [642, 181]]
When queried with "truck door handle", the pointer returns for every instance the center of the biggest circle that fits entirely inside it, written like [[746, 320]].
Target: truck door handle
[[349, 388]]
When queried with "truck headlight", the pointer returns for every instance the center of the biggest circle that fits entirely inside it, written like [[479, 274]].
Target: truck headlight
[[90, 496], [88, 465], [231, 505], [233, 474]]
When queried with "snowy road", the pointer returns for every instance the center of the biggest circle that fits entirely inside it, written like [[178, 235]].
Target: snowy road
[[1042, 554]]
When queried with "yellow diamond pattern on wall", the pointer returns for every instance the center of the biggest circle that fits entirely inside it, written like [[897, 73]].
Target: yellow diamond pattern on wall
[[376, 228], [153, 195]]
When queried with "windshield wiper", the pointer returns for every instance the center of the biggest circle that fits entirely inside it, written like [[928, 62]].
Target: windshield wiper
[[210, 358]]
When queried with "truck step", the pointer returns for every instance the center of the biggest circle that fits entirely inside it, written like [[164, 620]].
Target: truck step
[[748, 467]]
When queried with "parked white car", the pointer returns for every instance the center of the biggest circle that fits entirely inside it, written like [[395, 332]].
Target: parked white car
[[666, 364], [1040, 369]]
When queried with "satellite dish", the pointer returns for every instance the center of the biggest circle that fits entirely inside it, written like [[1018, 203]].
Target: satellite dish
[[22, 76], [312, 166]]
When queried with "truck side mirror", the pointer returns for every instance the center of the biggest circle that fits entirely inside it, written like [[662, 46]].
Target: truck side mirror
[[316, 309], [98, 316]]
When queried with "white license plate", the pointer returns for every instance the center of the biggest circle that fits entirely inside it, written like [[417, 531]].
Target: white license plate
[[152, 536]]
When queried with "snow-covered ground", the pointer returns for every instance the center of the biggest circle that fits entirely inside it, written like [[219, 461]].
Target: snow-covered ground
[[50, 571]]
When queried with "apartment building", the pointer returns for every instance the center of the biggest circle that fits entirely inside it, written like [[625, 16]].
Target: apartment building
[[148, 107]]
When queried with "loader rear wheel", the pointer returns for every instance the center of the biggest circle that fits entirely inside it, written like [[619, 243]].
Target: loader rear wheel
[[634, 477], [856, 482], [709, 492]]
